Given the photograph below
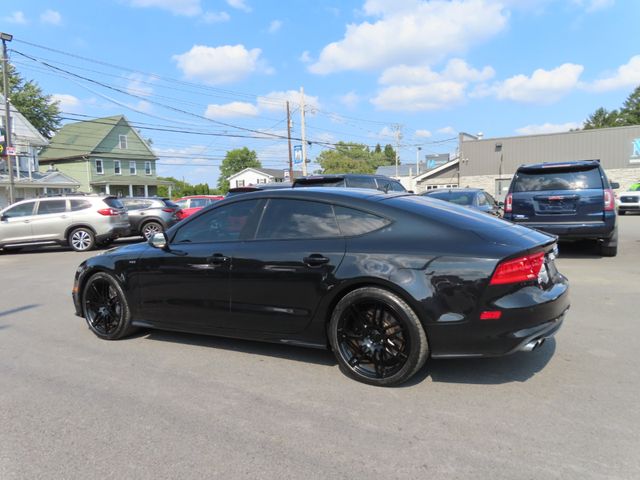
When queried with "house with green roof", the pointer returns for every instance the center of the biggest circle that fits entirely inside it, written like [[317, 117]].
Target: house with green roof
[[105, 155]]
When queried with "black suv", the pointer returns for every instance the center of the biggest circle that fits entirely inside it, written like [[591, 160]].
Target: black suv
[[573, 200], [351, 180]]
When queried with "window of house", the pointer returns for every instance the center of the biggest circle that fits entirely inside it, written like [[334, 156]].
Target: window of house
[[117, 168], [239, 183], [123, 141], [297, 219], [132, 168], [99, 167], [147, 168]]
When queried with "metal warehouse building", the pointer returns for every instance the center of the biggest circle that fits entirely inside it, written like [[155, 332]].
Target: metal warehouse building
[[490, 163]]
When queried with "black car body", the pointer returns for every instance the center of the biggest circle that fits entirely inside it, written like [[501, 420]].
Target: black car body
[[572, 200], [351, 180], [467, 197], [349, 269], [150, 215]]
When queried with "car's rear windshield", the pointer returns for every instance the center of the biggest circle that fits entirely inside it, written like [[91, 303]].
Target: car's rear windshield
[[320, 182], [557, 179], [113, 202], [460, 198]]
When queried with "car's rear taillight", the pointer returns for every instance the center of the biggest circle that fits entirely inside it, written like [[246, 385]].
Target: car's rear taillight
[[521, 269], [508, 203], [108, 212], [609, 200], [168, 210]]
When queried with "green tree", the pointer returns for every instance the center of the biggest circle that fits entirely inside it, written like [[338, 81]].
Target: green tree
[[389, 154], [630, 111], [28, 98], [378, 149], [352, 158], [182, 188], [602, 118], [234, 162]]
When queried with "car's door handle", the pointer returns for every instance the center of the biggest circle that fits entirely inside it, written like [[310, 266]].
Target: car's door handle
[[27, 221], [217, 259], [315, 260]]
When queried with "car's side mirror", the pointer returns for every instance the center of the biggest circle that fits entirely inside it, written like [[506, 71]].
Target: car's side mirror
[[500, 204], [615, 185], [4, 218], [410, 191], [159, 240]]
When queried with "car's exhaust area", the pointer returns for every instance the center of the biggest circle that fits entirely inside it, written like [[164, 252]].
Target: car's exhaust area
[[532, 345]]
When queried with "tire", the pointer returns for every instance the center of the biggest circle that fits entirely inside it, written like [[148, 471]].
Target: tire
[[81, 239], [377, 338], [105, 243], [150, 228], [609, 247], [105, 307]]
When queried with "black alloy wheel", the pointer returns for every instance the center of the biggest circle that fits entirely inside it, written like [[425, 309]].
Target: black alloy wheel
[[105, 307], [377, 338]]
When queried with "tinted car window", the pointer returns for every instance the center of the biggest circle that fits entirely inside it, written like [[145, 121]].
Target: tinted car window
[[79, 205], [52, 206], [459, 198], [396, 187], [182, 203], [362, 182], [21, 210], [297, 219], [557, 179], [113, 202], [199, 202], [482, 200], [355, 222], [228, 223], [329, 182]]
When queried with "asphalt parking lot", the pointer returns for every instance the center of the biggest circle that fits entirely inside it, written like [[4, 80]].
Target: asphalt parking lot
[[166, 405]]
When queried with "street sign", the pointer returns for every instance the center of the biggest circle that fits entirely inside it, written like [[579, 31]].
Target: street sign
[[286, 173], [297, 154], [11, 150]]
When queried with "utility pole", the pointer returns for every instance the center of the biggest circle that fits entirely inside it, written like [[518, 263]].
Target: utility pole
[[418, 160], [302, 133], [5, 37], [289, 138], [398, 134]]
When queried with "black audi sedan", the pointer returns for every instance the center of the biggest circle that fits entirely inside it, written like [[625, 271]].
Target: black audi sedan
[[383, 280]]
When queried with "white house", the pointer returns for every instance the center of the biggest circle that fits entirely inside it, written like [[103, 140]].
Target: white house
[[28, 182], [254, 176]]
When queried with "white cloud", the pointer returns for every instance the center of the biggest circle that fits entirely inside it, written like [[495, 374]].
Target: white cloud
[[275, 101], [447, 130], [421, 133], [594, 5], [411, 31], [627, 75], [543, 86], [187, 8], [216, 17], [548, 128], [66, 102], [218, 65], [16, 17], [139, 85], [350, 99], [231, 110], [51, 17], [420, 88], [305, 57], [274, 26], [239, 4]]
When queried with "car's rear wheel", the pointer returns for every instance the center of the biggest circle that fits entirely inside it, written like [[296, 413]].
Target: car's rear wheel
[[105, 307], [149, 229], [377, 338], [82, 239], [609, 247]]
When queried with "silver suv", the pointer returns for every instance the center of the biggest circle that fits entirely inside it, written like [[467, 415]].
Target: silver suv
[[82, 222]]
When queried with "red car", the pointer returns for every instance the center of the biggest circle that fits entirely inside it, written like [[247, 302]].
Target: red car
[[192, 203]]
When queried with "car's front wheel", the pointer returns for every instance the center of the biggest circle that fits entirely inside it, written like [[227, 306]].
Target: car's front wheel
[[105, 307], [377, 338]]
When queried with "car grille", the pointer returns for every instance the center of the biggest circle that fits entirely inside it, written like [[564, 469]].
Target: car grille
[[629, 199]]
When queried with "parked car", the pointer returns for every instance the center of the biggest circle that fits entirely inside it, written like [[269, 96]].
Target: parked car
[[194, 203], [467, 197], [384, 280], [629, 202], [81, 222], [351, 180], [257, 188], [149, 215], [573, 200]]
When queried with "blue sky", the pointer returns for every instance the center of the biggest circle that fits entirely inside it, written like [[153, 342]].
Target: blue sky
[[222, 69]]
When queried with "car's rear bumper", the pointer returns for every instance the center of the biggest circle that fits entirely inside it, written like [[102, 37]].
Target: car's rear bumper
[[577, 230]]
